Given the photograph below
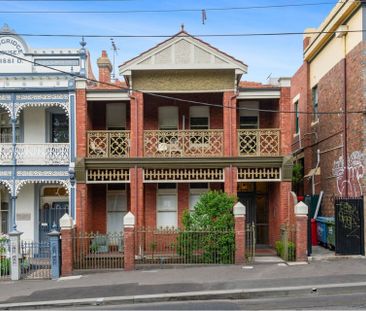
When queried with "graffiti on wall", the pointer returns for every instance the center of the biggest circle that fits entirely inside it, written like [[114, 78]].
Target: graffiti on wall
[[356, 171]]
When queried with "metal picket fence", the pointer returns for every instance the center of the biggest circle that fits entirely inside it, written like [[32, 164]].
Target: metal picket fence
[[286, 247], [4, 258], [173, 246], [95, 251], [35, 260], [250, 242]]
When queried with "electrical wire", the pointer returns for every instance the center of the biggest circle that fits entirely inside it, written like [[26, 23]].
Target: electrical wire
[[258, 34], [75, 75], [213, 9]]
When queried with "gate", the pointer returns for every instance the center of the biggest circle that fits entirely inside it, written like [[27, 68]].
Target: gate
[[35, 260], [250, 242], [286, 247], [349, 221]]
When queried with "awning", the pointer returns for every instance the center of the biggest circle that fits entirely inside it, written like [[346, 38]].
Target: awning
[[313, 172]]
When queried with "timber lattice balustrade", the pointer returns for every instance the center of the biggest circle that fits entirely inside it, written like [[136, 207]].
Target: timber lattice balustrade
[[183, 143], [108, 144], [97, 251], [36, 154], [259, 142]]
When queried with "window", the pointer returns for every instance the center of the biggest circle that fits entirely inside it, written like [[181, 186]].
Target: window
[[249, 115], [168, 118], [59, 128], [315, 103], [4, 212], [297, 118], [116, 207], [167, 206], [116, 116], [5, 128], [195, 192], [199, 118]]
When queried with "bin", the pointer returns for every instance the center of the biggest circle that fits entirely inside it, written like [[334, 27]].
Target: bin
[[331, 232], [322, 230]]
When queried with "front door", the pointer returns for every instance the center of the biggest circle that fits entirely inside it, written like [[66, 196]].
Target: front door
[[50, 214]]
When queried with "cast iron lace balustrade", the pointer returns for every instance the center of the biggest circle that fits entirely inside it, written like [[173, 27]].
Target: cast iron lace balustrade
[[108, 144], [259, 142], [36, 154], [183, 143]]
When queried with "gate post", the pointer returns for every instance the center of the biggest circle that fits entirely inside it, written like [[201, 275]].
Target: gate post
[[54, 237], [15, 255], [129, 241], [301, 212], [67, 250], [239, 214]]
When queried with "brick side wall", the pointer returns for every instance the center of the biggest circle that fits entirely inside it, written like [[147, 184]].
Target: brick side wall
[[328, 134]]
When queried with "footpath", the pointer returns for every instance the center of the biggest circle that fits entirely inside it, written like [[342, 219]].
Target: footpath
[[188, 283]]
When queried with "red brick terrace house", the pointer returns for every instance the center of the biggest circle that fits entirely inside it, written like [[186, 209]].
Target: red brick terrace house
[[186, 125]]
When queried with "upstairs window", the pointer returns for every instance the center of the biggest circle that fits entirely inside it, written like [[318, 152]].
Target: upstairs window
[[315, 103], [116, 116], [5, 128], [168, 118], [199, 117], [249, 115]]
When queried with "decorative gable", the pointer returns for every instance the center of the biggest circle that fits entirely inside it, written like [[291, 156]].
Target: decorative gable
[[183, 51]]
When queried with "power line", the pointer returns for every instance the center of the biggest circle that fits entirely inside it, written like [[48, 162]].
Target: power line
[[74, 75], [213, 9], [253, 34]]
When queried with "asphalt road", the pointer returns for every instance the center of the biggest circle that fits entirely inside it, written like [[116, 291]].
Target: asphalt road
[[353, 301]]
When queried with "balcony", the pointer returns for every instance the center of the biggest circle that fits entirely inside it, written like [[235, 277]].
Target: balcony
[[183, 143], [108, 144], [259, 142], [35, 154]]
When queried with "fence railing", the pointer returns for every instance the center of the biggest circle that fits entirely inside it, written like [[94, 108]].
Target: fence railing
[[176, 246], [108, 144], [95, 251], [4, 258], [286, 247], [183, 143], [259, 142], [250, 241], [35, 260]]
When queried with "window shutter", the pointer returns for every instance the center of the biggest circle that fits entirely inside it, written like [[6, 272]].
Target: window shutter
[[116, 115], [168, 118]]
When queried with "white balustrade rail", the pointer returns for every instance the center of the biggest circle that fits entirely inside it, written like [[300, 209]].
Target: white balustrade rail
[[36, 154]]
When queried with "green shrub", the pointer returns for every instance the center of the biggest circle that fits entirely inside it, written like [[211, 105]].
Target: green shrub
[[291, 250], [209, 230], [4, 266]]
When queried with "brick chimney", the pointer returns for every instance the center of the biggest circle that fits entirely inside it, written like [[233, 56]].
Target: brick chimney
[[105, 68], [309, 32]]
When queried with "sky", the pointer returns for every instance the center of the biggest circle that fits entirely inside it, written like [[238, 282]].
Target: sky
[[275, 56]]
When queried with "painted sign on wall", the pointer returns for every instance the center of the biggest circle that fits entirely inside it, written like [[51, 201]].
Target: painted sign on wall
[[356, 171]]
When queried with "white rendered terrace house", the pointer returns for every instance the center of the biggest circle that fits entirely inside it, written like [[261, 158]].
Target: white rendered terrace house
[[37, 134]]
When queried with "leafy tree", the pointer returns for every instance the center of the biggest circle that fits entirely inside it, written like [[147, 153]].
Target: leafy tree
[[209, 229]]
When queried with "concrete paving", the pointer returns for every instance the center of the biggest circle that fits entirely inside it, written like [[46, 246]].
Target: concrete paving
[[186, 280]]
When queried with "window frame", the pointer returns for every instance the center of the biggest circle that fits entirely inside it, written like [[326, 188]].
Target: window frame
[[315, 103], [167, 192]]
